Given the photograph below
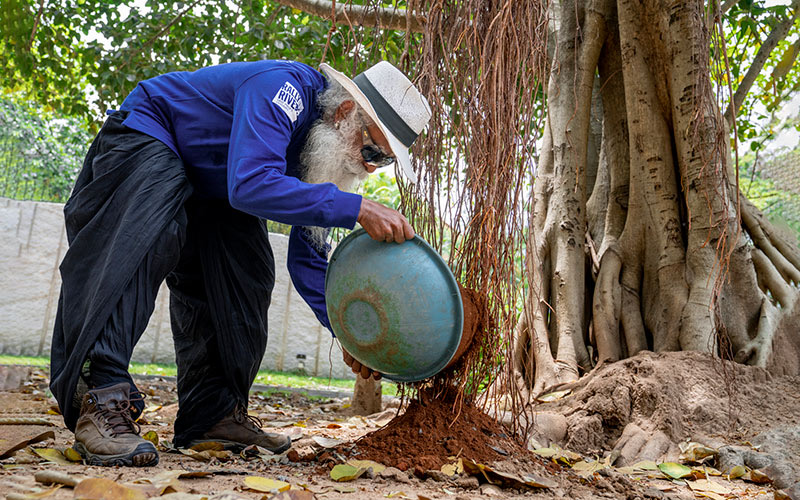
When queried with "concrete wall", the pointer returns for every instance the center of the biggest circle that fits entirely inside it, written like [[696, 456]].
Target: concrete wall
[[33, 242]]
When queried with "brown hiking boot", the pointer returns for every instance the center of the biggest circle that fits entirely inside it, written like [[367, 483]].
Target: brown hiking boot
[[106, 433], [239, 430]]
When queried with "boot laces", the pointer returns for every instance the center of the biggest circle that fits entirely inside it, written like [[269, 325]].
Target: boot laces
[[118, 418], [240, 416]]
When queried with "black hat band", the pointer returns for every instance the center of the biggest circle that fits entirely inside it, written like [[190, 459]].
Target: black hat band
[[396, 125]]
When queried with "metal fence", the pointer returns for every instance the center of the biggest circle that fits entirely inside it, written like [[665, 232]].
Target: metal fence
[[27, 174]]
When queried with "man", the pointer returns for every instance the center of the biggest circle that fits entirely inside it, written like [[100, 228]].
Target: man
[[175, 187]]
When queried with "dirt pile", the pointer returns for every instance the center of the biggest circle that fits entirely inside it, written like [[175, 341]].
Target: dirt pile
[[645, 405], [434, 429]]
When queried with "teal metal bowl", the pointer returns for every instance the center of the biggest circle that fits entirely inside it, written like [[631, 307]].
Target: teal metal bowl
[[396, 308]]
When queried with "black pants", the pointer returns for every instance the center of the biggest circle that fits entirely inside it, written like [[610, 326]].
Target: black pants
[[131, 223]]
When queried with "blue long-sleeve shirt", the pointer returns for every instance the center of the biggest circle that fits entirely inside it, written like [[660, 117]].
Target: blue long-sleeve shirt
[[239, 129]]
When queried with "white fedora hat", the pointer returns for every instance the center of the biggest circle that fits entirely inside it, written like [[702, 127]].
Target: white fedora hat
[[393, 103]]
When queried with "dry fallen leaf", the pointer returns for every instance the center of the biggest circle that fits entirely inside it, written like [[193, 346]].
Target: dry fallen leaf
[[38, 494], [266, 485], [52, 455], [493, 476], [737, 472], [756, 476], [206, 455], [368, 464], [587, 469], [327, 442], [705, 486], [208, 445], [345, 472], [294, 495], [695, 452], [72, 455], [557, 453], [106, 489], [553, 396], [7, 451], [152, 437], [674, 470]]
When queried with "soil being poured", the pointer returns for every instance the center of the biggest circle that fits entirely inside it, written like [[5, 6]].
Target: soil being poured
[[433, 429], [438, 424]]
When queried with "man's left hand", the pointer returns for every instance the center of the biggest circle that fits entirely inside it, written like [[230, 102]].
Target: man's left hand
[[358, 368]]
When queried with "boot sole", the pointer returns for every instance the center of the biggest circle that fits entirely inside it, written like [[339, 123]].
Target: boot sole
[[237, 447], [145, 455]]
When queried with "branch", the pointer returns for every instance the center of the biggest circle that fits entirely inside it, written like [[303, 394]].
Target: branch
[[36, 23], [778, 34], [157, 35], [382, 17]]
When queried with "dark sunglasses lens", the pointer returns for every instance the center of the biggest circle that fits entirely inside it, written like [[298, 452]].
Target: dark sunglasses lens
[[375, 156]]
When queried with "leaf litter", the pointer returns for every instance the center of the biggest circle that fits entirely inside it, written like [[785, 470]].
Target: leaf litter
[[328, 419]]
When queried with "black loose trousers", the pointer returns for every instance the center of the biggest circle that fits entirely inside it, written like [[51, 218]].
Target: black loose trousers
[[132, 222]]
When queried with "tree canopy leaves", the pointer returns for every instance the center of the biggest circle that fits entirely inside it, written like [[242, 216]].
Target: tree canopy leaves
[[81, 57]]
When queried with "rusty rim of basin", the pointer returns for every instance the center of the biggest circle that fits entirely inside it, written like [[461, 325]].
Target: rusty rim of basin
[[394, 307]]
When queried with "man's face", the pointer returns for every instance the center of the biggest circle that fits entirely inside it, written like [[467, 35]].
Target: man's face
[[332, 152]]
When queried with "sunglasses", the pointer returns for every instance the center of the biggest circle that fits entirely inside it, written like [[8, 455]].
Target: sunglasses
[[372, 154]]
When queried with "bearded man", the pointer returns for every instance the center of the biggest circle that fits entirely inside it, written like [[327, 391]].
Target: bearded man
[[176, 186]]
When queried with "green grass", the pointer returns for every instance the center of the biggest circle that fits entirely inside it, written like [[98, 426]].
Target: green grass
[[264, 377]]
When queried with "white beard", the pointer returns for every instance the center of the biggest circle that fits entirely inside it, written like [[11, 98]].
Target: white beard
[[328, 156]]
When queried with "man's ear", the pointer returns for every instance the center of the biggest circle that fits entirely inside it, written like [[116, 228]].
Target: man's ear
[[343, 111]]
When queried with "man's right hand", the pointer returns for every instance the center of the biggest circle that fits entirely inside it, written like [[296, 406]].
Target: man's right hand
[[383, 223]]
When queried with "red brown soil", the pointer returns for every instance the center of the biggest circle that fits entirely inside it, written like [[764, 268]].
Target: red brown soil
[[429, 432], [472, 322]]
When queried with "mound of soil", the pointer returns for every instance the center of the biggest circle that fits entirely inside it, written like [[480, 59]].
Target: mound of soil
[[434, 429], [666, 398]]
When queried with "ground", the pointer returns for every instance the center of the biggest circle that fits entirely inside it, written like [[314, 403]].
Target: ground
[[681, 396]]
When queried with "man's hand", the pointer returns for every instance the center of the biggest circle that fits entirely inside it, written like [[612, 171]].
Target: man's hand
[[383, 223], [358, 368]]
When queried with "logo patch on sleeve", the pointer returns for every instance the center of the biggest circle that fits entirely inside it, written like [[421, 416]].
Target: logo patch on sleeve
[[289, 100]]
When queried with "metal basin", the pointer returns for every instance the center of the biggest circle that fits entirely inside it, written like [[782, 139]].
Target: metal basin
[[394, 307]]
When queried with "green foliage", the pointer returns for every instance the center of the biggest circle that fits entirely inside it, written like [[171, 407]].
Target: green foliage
[[381, 187], [39, 156], [773, 187], [103, 48], [747, 24]]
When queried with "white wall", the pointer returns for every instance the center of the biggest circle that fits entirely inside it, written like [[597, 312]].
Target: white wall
[[33, 242]]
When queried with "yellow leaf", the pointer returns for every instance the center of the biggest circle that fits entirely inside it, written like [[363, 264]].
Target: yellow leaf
[[72, 455], [737, 472], [206, 455], [151, 409], [706, 486], [345, 472], [40, 494], [393, 494], [449, 469], [674, 470], [553, 396], [758, 477], [152, 437], [368, 464], [208, 445], [52, 455], [266, 485], [106, 489]]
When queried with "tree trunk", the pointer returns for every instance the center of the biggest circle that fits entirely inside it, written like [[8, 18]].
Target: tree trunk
[[672, 268], [366, 396]]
